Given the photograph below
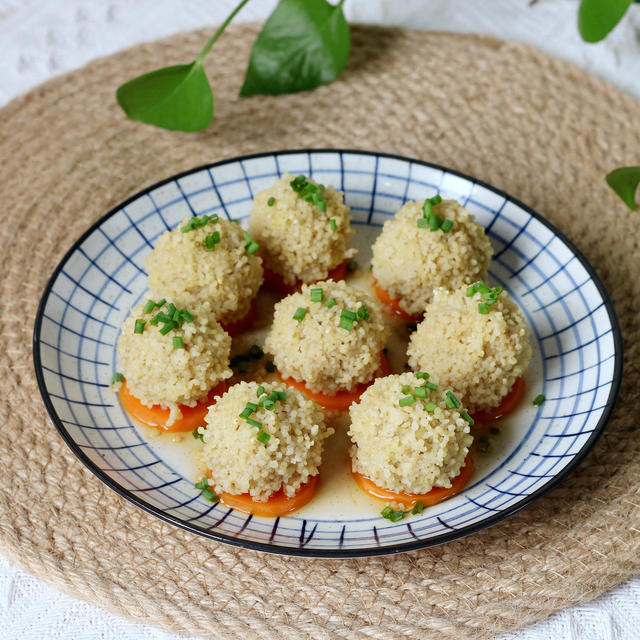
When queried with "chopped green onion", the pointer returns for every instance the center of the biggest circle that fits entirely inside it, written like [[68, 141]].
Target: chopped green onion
[[427, 210], [470, 291], [178, 343], [282, 396], [117, 377], [431, 385], [451, 401], [396, 516], [430, 406], [316, 295], [212, 240], [322, 205], [483, 308], [246, 413], [352, 265], [149, 306], [139, 326], [177, 316], [423, 374], [274, 396], [271, 202], [300, 314], [406, 400], [538, 400], [167, 327], [267, 403], [420, 392], [171, 308], [436, 199], [254, 423], [186, 315], [252, 248], [269, 366], [435, 222], [263, 437], [207, 492], [345, 323], [260, 391], [406, 389], [362, 313], [333, 224], [161, 317], [465, 416], [418, 507], [446, 226], [252, 405], [350, 315], [256, 352], [331, 302], [386, 512], [197, 435], [423, 223], [154, 321], [160, 303]]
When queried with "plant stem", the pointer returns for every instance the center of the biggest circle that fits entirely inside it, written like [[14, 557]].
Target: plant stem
[[221, 28]]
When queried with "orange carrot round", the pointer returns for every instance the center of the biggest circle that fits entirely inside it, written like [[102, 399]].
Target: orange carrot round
[[243, 324], [156, 417], [506, 406], [437, 494], [276, 282], [342, 400], [278, 503], [393, 304]]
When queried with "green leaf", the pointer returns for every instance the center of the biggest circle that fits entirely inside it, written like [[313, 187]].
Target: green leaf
[[624, 181], [596, 18], [177, 98], [303, 44]]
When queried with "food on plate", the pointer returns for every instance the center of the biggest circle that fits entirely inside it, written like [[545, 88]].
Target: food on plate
[[208, 264], [328, 337], [410, 436], [264, 440], [476, 340], [303, 229], [429, 244], [171, 358]]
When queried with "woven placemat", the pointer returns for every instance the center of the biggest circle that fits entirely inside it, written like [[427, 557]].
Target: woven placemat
[[541, 129]]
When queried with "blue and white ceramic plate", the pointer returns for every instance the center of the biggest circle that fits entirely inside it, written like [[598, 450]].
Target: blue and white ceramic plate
[[577, 356]]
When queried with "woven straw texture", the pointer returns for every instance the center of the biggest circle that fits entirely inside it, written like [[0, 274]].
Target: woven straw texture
[[536, 127]]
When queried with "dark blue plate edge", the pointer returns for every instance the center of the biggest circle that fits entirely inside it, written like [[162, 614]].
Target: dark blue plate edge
[[319, 553]]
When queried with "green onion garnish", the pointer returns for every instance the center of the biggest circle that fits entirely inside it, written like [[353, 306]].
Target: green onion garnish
[[420, 392], [331, 302], [406, 389], [333, 224], [407, 400], [316, 295], [207, 492], [435, 222], [267, 403], [470, 291], [263, 437], [429, 406], [483, 308], [171, 308], [246, 413], [349, 315], [446, 226], [422, 374], [300, 314], [252, 248], [345, 323], [177, 317], [431, 385], [423, 223], [465, 416], [271, 202], [451, 401], [386, 512], [117, 377], [362, 313], [197, 435], [186, 315], [538, 400], [139, 326], [282, 396], [149, 306], [259, 391], [418, 507], [436, 199], [161, 317], [160, 303], [254, 423], [396, 516], [178, 342], [352, 265], [167, 327], [256, 352], [427, 210], [252, 405]]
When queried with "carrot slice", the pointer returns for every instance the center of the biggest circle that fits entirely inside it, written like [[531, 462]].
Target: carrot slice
[[156, 417], [342, 400], [243, 324], [437, 494], [278, 503], [506, 406], [276, 282], [393, 304]]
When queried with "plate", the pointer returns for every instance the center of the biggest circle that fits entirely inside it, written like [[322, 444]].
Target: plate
[[574, 330]]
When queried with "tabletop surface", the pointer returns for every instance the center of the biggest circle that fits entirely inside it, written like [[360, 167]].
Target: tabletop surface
[[43, 40]]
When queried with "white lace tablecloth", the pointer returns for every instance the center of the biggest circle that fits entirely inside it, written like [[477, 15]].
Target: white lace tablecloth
[[41, 39]]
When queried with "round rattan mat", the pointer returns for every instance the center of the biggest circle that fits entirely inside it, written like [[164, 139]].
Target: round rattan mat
[[541, 129]]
